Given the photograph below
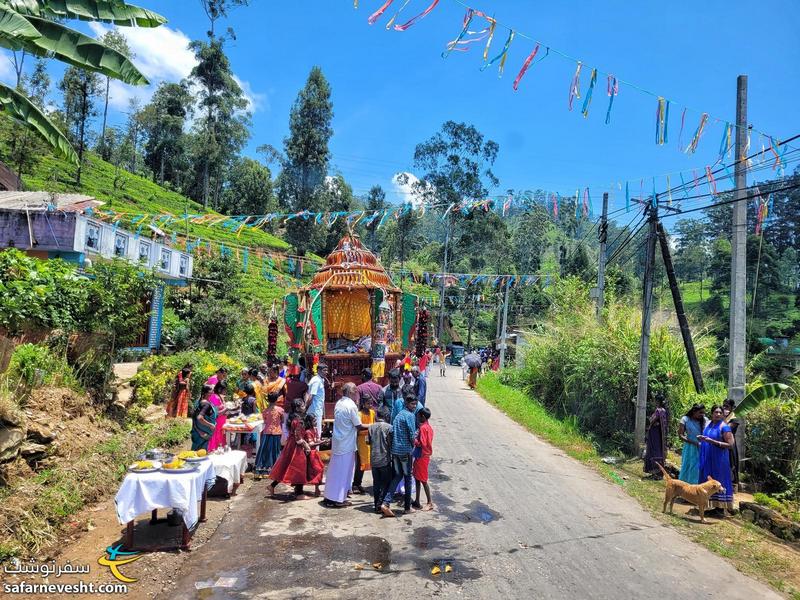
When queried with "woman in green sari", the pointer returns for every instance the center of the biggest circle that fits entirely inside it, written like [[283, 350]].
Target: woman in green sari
[[204, 420]]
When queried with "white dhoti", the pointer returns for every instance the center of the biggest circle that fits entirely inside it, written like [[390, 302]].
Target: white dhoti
[[339, 479]]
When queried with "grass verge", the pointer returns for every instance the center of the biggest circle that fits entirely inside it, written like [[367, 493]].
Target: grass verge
[[37, 510], [750, 549]]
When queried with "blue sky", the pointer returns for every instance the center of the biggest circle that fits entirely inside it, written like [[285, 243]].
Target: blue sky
[[392, 90]]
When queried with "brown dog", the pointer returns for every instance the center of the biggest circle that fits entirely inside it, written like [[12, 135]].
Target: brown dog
[[697, 494]]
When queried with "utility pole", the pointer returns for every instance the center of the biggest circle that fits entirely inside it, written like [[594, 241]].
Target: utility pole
[[644, 347], [738, 316], [505, 323], [448, 226], [601, 271], [694, 366]]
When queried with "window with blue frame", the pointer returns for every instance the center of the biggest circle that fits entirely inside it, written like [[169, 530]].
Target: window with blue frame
[[183, 269]]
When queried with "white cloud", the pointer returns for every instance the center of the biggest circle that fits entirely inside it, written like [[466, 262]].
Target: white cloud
[[162, 54], [406, 185], [7, 73]]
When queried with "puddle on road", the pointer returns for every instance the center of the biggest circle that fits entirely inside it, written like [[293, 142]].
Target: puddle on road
[[478, 511], [427, 538]]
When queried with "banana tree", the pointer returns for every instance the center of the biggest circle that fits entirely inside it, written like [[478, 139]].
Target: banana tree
[[29, 25], [759, 394]]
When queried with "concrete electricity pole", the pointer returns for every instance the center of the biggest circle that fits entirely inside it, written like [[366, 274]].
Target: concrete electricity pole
[[644, 347], [738, 314], [601, 271]]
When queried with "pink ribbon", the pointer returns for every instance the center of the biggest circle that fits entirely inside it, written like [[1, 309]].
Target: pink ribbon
[[413, 20], [379, 13], [525, 66]]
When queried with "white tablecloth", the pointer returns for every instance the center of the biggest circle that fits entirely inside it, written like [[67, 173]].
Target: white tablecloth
[[143, 492], [232, 430], [230, 466]]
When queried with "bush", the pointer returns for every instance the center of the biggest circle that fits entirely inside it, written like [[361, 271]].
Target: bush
[[773, 441], [153, 382], [36, 365], [577, 366]]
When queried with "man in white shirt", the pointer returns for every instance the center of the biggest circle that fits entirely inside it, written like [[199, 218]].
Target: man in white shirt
[[346, 424], [315, 396]]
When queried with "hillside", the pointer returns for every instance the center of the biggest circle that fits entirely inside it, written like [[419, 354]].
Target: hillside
[[130, 193]]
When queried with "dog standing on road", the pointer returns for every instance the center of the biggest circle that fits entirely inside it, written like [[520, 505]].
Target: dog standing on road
[[697, 494]]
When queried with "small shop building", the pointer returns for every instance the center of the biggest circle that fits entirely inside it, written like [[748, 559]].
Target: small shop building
[[65, 226]]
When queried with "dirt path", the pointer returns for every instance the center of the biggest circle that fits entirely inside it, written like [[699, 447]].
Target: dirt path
[[516, 518]]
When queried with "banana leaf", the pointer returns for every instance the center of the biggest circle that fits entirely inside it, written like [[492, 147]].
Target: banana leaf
[[76, 49], [22, 110], [15, 25], [108, 11], [758, 395]]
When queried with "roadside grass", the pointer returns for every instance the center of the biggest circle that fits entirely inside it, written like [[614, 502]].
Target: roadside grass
[[750, 549], [38, 509]]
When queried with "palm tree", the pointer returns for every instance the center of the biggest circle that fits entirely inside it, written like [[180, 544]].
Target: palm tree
[[30, 26]]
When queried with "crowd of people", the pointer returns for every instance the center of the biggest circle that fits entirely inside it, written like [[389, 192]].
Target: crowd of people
[[383, 430], [709, 448]]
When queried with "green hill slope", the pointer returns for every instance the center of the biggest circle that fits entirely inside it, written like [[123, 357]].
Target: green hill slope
[[125, 192], [130, 193]]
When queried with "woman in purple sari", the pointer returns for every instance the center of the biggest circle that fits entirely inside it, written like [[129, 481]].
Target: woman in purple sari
[[715, 444], [656, 449]]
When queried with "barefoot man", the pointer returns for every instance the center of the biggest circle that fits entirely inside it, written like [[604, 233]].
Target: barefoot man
[[346, 424]]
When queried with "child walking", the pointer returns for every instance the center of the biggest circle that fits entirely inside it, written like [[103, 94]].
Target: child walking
[[270, 448], [423, 449], [314, 462], [379, 438]]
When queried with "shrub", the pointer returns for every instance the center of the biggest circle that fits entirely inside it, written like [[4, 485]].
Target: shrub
[[153, 382], [36, 365], [577, 366], [773, 440]]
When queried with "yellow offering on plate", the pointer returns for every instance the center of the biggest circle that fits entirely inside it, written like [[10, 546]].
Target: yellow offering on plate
[[175, 464], [187, 454], [144, 464], [201, 453]]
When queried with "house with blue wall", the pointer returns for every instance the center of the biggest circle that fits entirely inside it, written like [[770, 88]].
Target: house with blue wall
[[52, 226]]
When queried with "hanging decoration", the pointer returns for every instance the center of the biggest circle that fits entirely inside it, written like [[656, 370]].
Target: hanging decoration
[[612, 89], [525, 67], [697, 134], [662, 120], [575, 86], [588, 100], [502, 56], [419, 17], [423, 318]]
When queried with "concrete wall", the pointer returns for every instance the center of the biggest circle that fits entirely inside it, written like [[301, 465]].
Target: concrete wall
[[51, 231]]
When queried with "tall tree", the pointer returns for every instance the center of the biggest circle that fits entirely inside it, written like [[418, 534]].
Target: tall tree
[[301, 182], [80, 89], [222, 130], [249, 191], [24, 147], [164, 123], [115, 40], [376, 201]]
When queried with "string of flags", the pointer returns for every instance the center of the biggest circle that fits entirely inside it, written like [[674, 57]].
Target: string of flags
[[466, 279], [479, 28]]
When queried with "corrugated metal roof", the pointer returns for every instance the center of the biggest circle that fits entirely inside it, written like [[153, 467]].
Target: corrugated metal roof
[[43, 200]]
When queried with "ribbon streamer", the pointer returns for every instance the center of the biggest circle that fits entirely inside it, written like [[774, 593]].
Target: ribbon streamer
[[379, 13], [712, 185], [492, 27], [502, 56], [588, 100], [397, 14], [697, 134], [662, 118], [575, 85], [420, 16], [612, 90], [669, 192], [525, 66], [627, 197]]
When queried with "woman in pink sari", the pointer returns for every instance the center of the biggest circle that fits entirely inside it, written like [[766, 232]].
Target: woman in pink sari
[[217, 399]]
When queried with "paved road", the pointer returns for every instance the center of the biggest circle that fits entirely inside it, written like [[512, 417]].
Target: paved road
[[517, 518]]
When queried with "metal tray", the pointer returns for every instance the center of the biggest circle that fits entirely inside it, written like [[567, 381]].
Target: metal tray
[[185, 469], [196, 459]]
